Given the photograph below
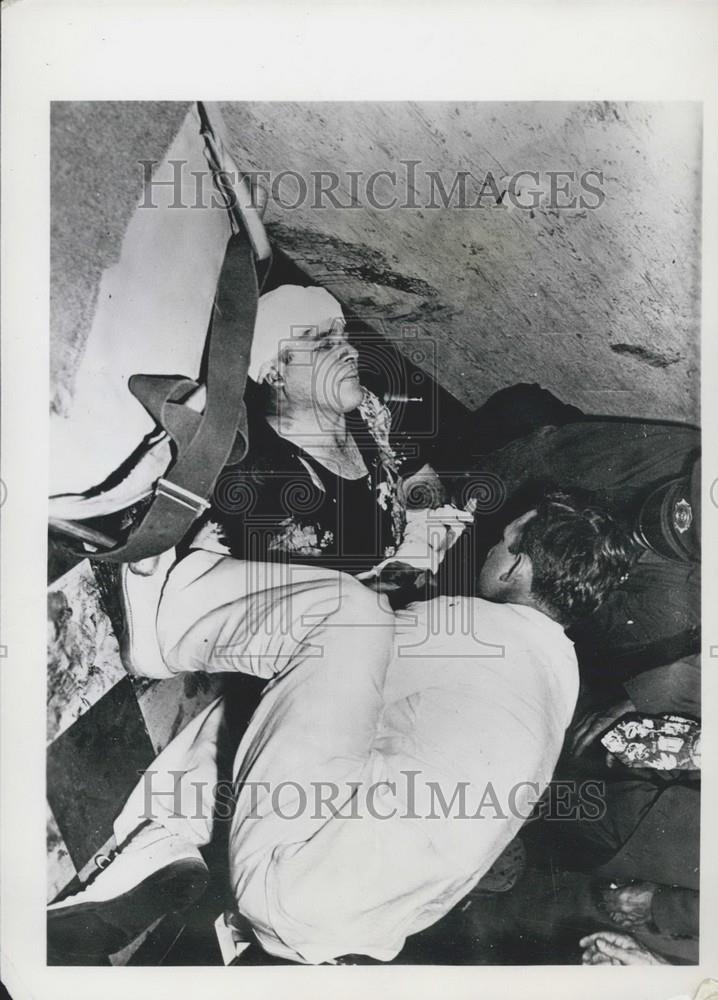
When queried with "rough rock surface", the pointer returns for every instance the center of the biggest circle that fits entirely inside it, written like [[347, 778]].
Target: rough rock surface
[[600, 305]]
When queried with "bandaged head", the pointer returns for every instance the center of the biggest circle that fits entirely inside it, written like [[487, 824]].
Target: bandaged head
[[284, 313]]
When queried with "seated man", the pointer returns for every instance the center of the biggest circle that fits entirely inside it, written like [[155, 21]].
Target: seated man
[[371, 790]]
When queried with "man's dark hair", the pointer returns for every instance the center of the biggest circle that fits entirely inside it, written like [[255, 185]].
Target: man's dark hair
[[579, 553]]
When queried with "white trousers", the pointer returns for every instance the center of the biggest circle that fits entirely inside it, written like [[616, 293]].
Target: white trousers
[[326, 856], [325, 642]]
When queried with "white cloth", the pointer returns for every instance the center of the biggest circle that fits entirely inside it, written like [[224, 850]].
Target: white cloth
[[152, 313], [220, 614], [473, 693], [454, 710], [284, 313]]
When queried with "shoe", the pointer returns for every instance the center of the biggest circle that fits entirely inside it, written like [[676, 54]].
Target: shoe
[[142, 584], [154, 873]]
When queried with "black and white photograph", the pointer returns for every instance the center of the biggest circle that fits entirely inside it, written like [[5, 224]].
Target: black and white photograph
[[364, 478], [375, 505]]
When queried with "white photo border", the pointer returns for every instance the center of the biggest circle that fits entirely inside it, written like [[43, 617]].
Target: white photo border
[[175, 50]]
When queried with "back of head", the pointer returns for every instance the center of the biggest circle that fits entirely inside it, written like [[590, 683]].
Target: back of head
[[579, 553]]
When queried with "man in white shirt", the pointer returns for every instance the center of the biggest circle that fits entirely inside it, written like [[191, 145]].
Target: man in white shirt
[[369, 801]]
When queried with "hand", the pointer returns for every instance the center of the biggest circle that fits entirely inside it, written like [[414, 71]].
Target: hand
[[429, 535], [630, 905], [595, 723], [611, 948], [393, 577]]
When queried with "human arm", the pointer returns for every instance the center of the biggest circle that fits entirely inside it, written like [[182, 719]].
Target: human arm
[[420, 491], [432, 527], [428, 536], [595, 722]]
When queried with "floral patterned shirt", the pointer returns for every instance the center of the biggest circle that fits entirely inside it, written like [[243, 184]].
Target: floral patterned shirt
[[279, 503]]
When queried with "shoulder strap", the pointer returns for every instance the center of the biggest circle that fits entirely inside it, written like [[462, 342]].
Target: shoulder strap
[[204, 442]]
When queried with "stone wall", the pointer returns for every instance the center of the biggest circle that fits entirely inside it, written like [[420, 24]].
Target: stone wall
[[601, 305]]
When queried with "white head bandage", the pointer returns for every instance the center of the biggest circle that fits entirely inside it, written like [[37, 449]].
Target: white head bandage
[[285, 313]]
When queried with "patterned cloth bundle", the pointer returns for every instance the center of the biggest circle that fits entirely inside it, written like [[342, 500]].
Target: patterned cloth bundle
[[662, 742]]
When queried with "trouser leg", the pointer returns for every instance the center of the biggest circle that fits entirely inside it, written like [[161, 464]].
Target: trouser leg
[[220, 614], [180, 791], [313, 732], [294, 617], [327, 856]]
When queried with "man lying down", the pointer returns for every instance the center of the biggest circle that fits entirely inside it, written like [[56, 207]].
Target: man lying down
[[390, 761]]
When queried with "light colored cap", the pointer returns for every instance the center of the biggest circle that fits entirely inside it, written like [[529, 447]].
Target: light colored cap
[[284, 313]]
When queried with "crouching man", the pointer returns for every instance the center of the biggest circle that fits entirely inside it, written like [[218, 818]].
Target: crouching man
[[370, 797]]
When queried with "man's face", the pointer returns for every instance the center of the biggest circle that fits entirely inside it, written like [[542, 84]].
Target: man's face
[[498, 580], [321, 367]]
